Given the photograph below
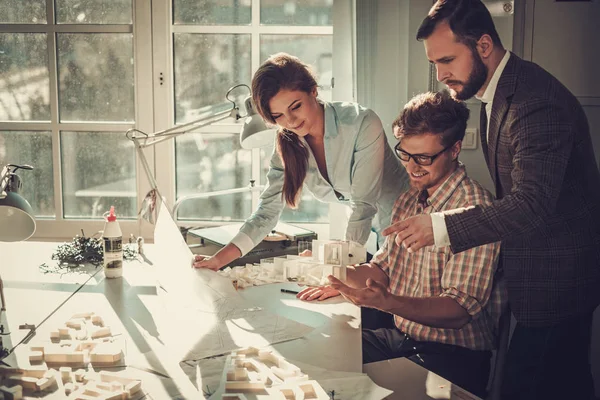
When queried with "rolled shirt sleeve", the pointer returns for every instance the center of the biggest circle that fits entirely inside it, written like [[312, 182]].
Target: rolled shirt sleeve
[[266, 216], [468, 277]]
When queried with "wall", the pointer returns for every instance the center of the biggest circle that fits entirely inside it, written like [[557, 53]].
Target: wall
[[391, 67]]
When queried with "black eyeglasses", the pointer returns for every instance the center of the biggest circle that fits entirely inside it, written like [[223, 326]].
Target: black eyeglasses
[[420, 159]]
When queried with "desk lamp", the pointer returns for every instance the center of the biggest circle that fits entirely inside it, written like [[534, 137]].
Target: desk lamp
[[16, 218], [254, 133]]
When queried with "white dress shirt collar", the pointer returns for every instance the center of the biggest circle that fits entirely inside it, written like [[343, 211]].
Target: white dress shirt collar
[[490, 91]]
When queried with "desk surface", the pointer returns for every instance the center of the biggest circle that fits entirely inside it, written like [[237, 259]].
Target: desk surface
[[132, 306]]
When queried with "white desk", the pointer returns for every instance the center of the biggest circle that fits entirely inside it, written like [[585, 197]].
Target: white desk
[[132, 306]]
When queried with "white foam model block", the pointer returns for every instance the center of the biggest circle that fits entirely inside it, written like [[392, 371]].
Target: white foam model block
[[232, 386], [118, 387], [79, 374], [83, 315], [66, 375], [304, 390], [133, 387], [233, 396], [339, 271], [45, 383], [12, 393], [36, 356], [33, 371], [282, 373], [104, 386], [97, 320], [27, 382], [75, 323], [100, 332], [106, 354], [64, 356]]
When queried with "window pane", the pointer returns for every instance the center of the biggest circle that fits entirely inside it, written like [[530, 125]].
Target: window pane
[[24, 77], [315, 50], [212, 12], [293, 12], [309, 209], [93, 11], [98, 171], [23, 12], [211, 162], [35, 149], [95, 77], [206, 66]]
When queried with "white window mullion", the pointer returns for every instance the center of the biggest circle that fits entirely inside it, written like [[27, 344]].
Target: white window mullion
[[54, 126], [164, 97], [144, 110], [256, 161]]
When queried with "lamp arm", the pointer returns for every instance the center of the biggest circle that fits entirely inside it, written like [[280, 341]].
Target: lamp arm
[[142, 140], [146, 140]]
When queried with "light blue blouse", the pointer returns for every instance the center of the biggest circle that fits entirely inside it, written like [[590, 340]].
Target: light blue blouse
[[362, 169]]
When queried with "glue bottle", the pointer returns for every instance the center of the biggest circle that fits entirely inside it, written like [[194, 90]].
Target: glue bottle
[[112, 239]]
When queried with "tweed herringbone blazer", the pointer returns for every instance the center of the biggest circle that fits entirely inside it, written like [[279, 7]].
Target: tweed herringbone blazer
[[547, 213]]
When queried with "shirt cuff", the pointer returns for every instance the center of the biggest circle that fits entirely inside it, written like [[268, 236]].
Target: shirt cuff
[[467, 302], [243, 242], [440, 232]]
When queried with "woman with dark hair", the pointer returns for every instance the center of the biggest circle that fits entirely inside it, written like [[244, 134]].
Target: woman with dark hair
[[337, 151]]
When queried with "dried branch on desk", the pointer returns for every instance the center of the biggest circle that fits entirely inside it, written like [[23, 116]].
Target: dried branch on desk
[[83, 250]]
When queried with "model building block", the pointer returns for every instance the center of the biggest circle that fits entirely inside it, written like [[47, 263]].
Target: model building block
[[12, 393], [36, 356], [26, 382], [45, 383]]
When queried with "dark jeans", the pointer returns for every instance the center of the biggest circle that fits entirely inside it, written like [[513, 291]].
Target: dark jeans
[[466, 368], [549, 363]]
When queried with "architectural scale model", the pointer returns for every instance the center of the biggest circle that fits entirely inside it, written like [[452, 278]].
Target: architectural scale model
[[70, 362], [328, 258], [251, 373]]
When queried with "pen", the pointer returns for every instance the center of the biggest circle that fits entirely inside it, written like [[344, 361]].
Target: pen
[[289, 291]]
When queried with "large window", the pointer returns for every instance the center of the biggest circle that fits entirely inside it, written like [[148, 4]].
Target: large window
[[67, 97], [215, 45], [76, 74]]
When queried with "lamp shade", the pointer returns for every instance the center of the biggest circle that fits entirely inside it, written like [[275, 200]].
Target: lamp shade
[[16, 218], [255, 132]]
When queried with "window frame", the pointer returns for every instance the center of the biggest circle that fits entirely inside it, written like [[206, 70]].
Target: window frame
[[163, 34], [60, 228]]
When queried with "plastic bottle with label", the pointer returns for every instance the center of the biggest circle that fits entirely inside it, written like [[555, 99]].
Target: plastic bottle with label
[[112, 239]]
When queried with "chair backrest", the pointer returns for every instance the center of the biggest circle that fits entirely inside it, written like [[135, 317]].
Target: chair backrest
[[495, 383]]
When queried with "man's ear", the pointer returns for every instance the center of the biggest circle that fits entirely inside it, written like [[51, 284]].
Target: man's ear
[[456, 148], [485, 46]]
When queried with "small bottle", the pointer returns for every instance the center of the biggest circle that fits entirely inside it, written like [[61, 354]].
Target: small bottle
[[113, 246]]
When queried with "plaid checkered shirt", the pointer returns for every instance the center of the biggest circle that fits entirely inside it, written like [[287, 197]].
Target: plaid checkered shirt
[[467, 277]]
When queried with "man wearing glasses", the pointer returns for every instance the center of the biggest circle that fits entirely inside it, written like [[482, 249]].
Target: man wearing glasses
[[446, 307]]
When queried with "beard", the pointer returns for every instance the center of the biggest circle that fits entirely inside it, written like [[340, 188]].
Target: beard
[[476, 79]]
